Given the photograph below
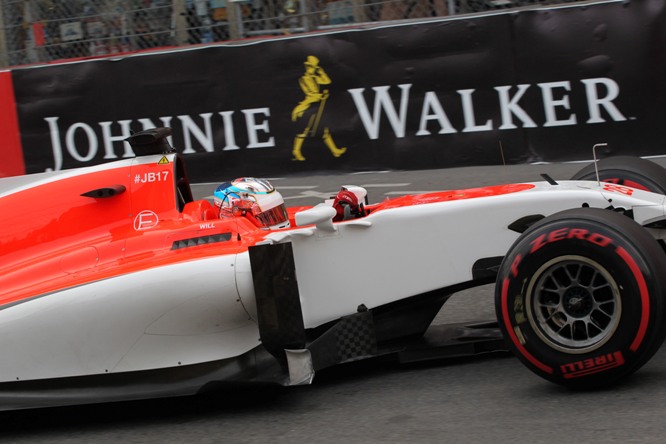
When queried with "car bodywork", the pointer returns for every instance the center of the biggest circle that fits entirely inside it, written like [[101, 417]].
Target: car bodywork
[[116, 284]]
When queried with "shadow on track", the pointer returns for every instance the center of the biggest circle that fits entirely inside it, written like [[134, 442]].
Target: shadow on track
[[227, 401]]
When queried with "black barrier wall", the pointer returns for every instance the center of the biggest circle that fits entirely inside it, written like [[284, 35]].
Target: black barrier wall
[[525, 86]]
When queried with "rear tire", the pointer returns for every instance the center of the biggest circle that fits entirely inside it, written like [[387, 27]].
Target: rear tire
[[629, 171], [579, 297]]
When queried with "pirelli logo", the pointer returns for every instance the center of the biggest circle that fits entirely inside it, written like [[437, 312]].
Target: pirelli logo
[[592, 365]]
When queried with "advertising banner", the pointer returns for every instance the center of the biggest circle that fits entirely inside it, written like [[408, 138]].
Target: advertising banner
[[522, 86]]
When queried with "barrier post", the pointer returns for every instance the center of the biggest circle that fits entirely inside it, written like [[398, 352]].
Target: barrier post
[[359, 11], [30, 49], [308, 23], [180, 14], [234, 18]]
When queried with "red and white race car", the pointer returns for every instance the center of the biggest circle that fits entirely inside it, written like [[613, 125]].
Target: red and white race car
[[116, 284]]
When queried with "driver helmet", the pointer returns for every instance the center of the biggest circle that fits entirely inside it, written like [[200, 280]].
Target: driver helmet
[[253, 198]]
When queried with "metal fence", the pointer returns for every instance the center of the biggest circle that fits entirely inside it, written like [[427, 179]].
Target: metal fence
[[35, 31]]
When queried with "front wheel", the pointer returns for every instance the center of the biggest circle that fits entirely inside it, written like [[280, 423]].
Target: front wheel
[[580, 299]]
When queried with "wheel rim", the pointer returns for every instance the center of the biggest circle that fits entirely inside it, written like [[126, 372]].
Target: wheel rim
[[573, 304]]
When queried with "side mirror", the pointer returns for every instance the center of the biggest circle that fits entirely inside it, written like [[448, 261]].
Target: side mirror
[[102, 193], [321, 216]]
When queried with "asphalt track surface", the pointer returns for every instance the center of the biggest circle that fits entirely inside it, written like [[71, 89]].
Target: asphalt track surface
[[489, 399]]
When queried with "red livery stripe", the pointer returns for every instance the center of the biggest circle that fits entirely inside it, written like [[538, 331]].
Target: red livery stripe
[[12, 153]]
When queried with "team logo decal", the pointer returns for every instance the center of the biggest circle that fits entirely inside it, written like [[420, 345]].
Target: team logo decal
[[145, 220]]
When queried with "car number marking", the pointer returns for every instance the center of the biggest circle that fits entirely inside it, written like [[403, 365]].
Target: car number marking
[[614, 188], [150, 177]]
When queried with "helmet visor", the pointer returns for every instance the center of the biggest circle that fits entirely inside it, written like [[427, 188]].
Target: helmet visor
[[273, 217]]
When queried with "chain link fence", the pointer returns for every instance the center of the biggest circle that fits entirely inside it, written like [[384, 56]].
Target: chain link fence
[[37, 31]]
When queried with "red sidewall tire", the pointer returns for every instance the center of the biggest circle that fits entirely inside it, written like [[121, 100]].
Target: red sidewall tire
[[579, 297], [627, 170]]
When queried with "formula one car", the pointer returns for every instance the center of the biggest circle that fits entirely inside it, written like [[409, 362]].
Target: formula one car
[[115, 284]]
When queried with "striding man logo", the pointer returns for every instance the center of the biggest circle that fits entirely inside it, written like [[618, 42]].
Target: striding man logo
[[311, 109]]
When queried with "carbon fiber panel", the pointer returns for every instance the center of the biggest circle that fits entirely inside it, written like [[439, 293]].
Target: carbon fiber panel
[[278, 306]]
